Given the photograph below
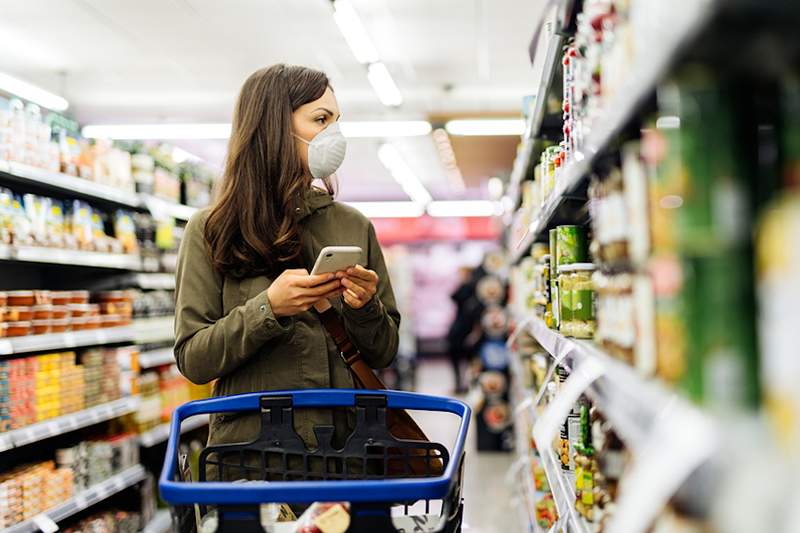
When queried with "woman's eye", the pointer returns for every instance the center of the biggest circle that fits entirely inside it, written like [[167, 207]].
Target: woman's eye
[[321, 120]]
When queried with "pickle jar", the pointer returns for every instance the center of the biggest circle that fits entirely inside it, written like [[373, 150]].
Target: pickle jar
[[576, 295]]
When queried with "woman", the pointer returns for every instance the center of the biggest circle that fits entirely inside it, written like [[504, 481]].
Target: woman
[[244, 298]]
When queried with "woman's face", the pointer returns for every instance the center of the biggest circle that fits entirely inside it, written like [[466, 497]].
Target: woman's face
[[313, 117]]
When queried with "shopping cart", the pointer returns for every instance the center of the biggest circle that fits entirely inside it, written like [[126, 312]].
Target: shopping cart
[[372, 471]]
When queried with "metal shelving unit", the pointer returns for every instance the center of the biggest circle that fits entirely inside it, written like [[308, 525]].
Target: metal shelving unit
[[154, 358], [163, 208], [82, 500], [160, 434], [66, 340], [67, 423], [643, 413], [60, 256], [66, 184], [680, 27], [154, 330]]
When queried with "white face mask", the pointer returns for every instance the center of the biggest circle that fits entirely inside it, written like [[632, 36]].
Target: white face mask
[[325, 151]]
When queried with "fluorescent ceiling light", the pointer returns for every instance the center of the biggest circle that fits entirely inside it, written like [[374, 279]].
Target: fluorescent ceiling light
[[353, 32], [482, 127], [389, 209], [388, 93], [390, 158], [464, 208], [386, 128], [157, 131], [32, 93]]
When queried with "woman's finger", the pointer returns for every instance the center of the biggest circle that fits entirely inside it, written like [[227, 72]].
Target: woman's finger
[[362, 273], [357, 289], [322, 289]]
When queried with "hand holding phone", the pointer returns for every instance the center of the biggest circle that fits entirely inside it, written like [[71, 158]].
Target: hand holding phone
[[295, 291], [336, 259]]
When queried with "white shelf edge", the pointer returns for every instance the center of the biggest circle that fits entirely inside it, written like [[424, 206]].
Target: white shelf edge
[[153, 358], [85, 499], [154, 330], [66, 340], [67, 183], [161, 522], [159, 207], [160, 433], [68, 423], [155, 280], [62, 256]]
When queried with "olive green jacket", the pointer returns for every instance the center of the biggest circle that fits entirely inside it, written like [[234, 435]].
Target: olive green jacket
[[225, 329]]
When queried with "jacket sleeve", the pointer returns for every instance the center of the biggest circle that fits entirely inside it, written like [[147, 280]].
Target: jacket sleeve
[[374, 327], [209, 345]]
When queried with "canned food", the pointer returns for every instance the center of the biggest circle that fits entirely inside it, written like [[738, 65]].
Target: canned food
[[570, 245], [577, 318]]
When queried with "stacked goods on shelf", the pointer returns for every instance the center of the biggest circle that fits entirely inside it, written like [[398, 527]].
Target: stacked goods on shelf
[[38, 312], [52, 143], [153, 303], [30, 220], [93, 461], [28, 490], [33, 389], [161, 392], [109, 522], [778, 270]]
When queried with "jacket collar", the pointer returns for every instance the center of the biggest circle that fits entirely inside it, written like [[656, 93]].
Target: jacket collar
[[313, 200]]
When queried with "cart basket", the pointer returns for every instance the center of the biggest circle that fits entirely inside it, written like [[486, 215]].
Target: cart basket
[[372, 470]]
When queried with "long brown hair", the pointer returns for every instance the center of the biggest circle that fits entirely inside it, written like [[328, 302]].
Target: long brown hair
[[252, 228]]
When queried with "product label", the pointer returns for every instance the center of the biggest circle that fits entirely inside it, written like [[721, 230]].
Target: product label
[[581, 305]]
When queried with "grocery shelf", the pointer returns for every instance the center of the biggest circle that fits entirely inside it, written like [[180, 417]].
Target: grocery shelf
[[161, 208], [643, 413], [562, 487], [83, 500], [64, 183], [67, 423], [153, 358], [154, 330], [66, 340], [679, 28], [160, 433], [60, 256], [155, 281], [161, 522]]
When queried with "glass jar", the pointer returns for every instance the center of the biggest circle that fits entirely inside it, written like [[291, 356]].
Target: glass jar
[[576, 300]]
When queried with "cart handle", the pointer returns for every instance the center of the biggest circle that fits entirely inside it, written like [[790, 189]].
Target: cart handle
[[221, 493]]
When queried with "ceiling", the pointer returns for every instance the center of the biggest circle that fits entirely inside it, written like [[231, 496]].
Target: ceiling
[[118, 61]]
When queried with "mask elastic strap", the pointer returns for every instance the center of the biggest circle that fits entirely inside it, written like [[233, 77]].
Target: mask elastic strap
[[301, 139]]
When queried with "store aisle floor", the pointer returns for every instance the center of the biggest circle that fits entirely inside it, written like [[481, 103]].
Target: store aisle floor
[[487, 497]]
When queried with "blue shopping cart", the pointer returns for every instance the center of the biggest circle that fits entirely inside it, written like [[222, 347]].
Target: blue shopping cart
[[372, 471]]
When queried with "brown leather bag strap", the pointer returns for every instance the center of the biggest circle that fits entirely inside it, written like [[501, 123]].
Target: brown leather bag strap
[[348, 351]]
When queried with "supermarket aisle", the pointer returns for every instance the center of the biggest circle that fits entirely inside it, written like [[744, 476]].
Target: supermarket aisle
[[486, 495]]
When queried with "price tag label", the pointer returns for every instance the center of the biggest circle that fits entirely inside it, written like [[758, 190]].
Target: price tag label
[[45, 523], [80, 501]]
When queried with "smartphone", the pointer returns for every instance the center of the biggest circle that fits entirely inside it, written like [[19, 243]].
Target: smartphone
[[336, 258]]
